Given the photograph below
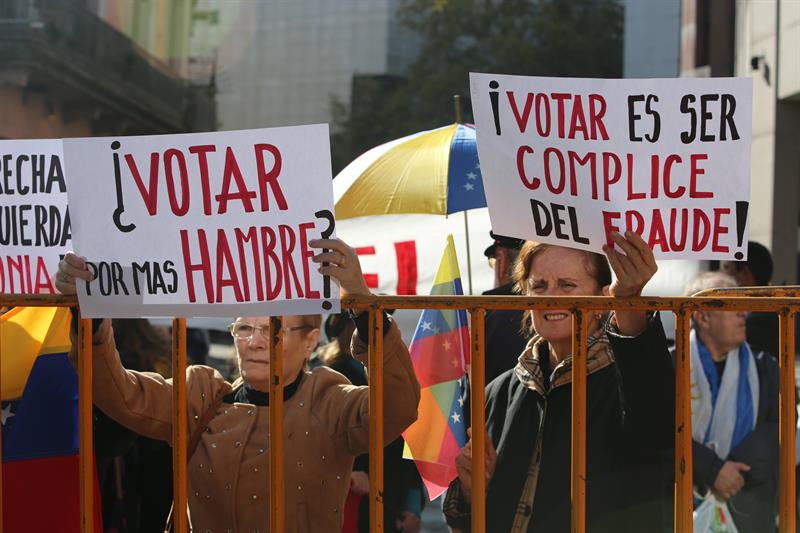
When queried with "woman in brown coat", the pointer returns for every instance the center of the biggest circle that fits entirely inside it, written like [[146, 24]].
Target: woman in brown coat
[[326, 419]]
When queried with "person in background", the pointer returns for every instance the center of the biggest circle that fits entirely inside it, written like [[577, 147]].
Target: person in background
[[504, 339], [136, 472], [403, 499], [762, 327], [734, 413]]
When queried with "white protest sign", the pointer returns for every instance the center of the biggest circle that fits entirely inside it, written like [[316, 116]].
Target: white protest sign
[[569, 161], [34, 220], [205, 224]]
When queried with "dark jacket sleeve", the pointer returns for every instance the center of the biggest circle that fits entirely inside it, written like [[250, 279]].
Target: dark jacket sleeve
[[705, 465], [457, 508], [648, 386], [759, 449]]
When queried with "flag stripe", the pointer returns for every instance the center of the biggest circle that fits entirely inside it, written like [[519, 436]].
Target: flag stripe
[[433, 363]]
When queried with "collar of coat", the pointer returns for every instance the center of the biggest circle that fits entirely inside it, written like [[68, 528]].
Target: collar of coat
[[529, 367]]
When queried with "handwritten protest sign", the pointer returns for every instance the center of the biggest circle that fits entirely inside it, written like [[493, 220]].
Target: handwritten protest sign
[[569, 161], [207, 224], [34, 220]]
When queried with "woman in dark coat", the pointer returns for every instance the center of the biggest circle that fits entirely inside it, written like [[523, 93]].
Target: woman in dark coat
[[630, 406]]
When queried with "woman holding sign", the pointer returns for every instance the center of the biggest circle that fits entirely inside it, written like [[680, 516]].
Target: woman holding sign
[[630, 407], [326, 418]]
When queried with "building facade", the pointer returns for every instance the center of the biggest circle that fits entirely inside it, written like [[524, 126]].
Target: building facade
[[752, 38], [67, 71], [285, 63]]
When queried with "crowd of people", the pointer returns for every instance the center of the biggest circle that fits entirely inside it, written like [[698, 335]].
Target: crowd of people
[[630, 406]]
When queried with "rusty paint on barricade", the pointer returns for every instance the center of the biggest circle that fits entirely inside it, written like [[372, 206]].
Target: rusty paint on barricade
[[375, 363], [683, 425], [478, 420], [86, 455], [179, 421], [786, 461], [786, 291], [593, 303], [578, 470], [277, 498], [782, 300]]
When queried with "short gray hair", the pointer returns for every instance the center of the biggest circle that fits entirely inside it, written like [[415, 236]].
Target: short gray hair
[[709, 280]]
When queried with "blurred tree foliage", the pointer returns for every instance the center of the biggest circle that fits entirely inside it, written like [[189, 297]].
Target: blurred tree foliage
[[579, 38]]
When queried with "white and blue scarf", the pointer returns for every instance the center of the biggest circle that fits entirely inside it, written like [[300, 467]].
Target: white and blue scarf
[[724, 411]]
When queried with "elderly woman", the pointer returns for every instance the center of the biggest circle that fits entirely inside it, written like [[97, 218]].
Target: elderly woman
[[629, 396], [326, 420]]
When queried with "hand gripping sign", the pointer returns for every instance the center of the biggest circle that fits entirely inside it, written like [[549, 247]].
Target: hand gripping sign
[[34, 221], [206, 224], [569, 161]]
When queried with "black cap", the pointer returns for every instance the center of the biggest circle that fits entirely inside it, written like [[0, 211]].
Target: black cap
[[505, 242]]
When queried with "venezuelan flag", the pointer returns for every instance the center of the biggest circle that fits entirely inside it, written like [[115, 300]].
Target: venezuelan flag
[[440, 353], [39, 423]]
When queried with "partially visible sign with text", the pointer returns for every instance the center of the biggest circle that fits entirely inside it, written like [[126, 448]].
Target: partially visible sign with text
[[569, 161], [206, 224], [34, 220]]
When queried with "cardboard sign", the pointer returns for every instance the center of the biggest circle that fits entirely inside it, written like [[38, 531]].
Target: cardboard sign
[[207, 224], [34, 220], [569, 161]]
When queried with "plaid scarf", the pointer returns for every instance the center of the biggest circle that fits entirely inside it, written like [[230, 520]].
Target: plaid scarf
[[529, 365]]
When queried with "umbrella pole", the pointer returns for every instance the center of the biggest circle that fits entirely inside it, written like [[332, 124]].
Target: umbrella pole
[[469, 256]]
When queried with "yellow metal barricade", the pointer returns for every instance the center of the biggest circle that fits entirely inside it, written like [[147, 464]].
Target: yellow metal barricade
[[785, 301]]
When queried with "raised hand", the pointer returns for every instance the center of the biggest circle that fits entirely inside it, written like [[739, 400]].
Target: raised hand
[[633, 269], [342, 265], [464, 463], [70, 269]]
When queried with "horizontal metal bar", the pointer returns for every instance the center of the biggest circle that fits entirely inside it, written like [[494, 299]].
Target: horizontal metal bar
[[598, 303], [38, 300], [784, 291]]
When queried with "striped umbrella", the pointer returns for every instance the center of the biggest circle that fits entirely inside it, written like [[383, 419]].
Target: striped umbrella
[[435, 171]]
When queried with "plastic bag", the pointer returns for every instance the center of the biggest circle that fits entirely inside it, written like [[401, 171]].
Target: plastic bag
[[713, 516]]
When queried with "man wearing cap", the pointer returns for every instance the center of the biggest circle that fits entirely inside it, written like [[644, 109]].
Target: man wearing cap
[[762, 328], [504, 340]]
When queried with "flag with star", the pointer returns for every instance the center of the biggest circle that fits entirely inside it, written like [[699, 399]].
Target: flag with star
[[40, 423], [440, 353]]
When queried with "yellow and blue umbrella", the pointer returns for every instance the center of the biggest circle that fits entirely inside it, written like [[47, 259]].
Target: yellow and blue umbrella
[[435, 172]]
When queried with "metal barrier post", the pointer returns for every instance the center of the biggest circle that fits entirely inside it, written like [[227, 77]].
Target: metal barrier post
[[179, 425], [578, 481], [683, 425], [478, 421], [376, 420], [786, 469], [86, 455], [1, 442], [277, 487]]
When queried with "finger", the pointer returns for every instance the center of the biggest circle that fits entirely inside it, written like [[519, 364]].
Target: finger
[[615, 260], [330, 257], [742, 467], [75, 270], [334, 271], [75, 260], [645, 252], [627, 247], [334, 244]]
